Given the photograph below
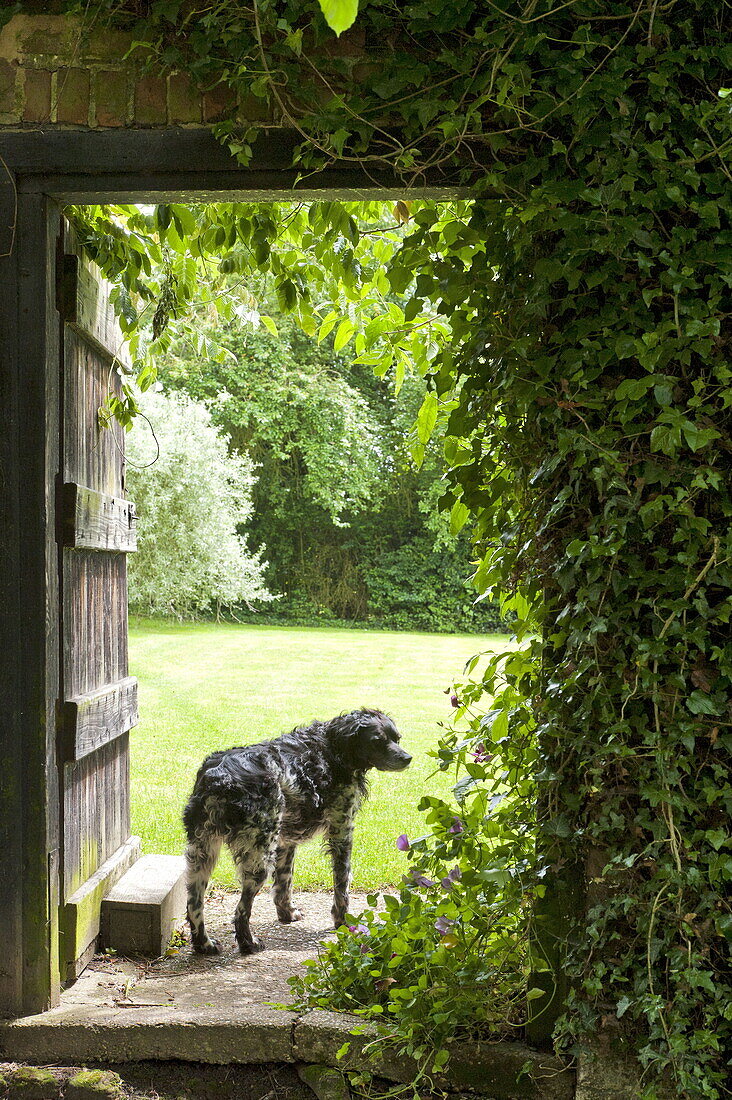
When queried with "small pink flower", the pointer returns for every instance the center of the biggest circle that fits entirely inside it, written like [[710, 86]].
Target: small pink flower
[[457, 826], [403, 843], [454, 701]]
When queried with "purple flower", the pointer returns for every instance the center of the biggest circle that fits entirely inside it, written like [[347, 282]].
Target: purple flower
[[421, 880], [403, 843], [444, 924], [454, 701], [359, 929], [480, 755], [454, 876], [457, 826]]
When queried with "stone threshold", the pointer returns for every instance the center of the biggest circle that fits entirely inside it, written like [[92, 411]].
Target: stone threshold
[[257, 1035]]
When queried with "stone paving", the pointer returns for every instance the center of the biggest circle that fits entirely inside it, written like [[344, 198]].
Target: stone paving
[[186, 981], [218, 1010]]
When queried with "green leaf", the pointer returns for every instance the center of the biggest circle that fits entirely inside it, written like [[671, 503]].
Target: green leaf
[[344, 334], [459, 515], [427, 417], [634, 388], [269, 324], [339, 14], [717, 837], [701, 703]]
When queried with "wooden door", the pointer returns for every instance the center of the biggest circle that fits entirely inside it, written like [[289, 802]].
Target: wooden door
[[97, 530]]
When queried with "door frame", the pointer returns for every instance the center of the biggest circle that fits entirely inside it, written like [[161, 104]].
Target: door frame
[[40, 172]]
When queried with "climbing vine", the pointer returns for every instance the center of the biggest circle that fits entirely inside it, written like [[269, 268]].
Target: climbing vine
[[582, 370]]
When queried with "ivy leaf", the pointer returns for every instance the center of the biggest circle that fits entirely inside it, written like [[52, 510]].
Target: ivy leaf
[[339, 14], [634, 388], [699, 703], [622, 1006]]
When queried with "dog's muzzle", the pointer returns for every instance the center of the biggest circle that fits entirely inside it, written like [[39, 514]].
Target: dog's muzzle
[[398, 760]]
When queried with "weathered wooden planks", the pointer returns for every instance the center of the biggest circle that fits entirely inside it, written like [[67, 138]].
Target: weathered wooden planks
[[92, 720], [99, 699], [98, 521], [93, 455], [96, 810], [85, 299]]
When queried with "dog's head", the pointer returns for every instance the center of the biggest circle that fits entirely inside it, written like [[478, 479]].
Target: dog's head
[[369, 739]]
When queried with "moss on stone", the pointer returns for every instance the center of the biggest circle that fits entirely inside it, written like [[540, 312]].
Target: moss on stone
[[31, 1083], [92, 1084]]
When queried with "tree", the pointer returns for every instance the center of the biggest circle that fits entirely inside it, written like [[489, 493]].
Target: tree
[[193, 499], [350, 524]]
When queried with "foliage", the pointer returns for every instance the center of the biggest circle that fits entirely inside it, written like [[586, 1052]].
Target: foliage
[[346, 521], [586, 387], [323, 262], [192, 499]]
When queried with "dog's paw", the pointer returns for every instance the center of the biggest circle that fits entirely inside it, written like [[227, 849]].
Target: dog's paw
[[210, 947], [290, 915], [251, 947]]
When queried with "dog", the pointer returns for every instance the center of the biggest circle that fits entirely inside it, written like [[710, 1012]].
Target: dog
[[266, 799]]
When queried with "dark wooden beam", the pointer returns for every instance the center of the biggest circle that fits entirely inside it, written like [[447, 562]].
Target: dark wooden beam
[[175, 164], [34, 619], [11, 670]]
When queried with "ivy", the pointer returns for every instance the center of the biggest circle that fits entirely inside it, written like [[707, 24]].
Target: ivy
[[578, 313]]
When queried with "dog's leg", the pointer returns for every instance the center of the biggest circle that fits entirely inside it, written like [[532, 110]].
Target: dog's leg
[[201, 855], [282, 886], [252, 857], [340, 843]]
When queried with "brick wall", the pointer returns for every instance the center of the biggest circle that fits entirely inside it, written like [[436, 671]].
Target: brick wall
[[53, 70]]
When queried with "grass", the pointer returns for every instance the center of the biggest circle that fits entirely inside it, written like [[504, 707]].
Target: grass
[[208, 686]]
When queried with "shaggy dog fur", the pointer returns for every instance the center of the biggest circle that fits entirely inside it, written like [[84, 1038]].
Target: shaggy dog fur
[[266, 799]]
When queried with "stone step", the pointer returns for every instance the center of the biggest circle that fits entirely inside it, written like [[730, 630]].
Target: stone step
[[140, 913]]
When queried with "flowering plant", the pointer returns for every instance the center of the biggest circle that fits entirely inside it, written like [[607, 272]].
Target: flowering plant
[[444, 955]]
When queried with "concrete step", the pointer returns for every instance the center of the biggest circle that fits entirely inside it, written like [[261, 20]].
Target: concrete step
[[140, 912]]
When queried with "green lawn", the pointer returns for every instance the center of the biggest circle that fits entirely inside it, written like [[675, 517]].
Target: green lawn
[[205, 686]]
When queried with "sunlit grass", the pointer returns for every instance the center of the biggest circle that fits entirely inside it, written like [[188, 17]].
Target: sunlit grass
[[205, 686]]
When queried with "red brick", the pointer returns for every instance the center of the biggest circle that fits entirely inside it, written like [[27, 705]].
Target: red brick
[[150, 100], [37, 106], [112, 99], [8, 92], [218, 103], [72, 97], [184, 99]]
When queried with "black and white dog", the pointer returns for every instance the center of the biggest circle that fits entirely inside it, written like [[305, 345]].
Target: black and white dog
[[266, 799]]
